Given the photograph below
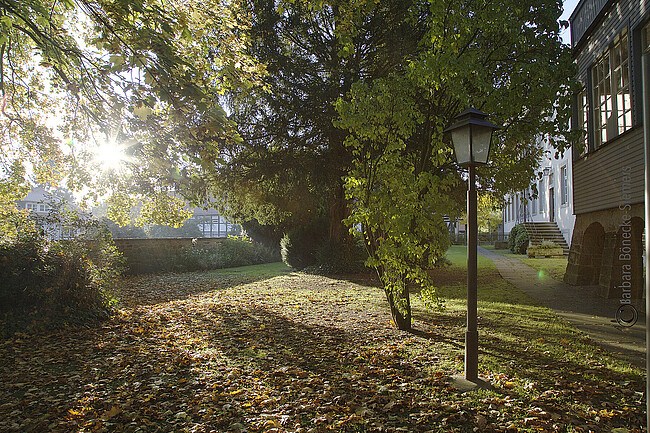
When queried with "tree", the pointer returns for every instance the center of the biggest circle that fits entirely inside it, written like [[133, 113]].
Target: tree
[[401, 190], [488, 212], [144, 74], [289, 168], [505, 58]]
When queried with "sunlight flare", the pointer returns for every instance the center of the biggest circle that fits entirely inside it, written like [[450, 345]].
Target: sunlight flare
[[110, 155]]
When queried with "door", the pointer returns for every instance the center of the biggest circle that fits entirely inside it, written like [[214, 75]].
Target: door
[[551, 204]]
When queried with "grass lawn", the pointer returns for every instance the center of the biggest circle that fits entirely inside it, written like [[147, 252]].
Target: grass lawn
[[267, 349], [552, 267]]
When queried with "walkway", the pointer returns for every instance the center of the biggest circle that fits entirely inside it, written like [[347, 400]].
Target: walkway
[[581, 306]]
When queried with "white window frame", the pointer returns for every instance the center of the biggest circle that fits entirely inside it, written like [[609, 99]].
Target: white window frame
[[564, 185], [583, 119], [611, 91]]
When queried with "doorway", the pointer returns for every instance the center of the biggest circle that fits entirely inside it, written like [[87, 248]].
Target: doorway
[[551, 205]]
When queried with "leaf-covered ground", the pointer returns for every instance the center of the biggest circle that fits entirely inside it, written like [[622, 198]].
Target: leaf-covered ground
[[243, 351]]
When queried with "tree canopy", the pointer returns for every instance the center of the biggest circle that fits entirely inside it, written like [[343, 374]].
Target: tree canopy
[[145, 75], [290, 166]]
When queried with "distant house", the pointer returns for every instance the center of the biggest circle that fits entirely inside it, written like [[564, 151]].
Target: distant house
[[209, 222], [213, 225], [39, 201], [36, 201], [546, 207], [609, 39]]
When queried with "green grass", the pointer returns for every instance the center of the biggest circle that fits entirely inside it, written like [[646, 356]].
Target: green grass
[[552, 267], [255, 272], [515, 326]]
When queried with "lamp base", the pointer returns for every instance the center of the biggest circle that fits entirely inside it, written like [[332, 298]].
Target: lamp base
[[463, 385]]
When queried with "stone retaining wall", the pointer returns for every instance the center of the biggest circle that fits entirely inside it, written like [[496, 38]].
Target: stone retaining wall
[[145, 256], [598, 247]]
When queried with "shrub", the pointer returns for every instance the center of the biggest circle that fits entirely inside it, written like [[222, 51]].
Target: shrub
[[296, 250], [232, 252], [521, 242], [335, 258], [513, 236], [47, 282], [548, 245]]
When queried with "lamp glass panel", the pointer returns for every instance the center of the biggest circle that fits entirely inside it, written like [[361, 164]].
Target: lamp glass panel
[[460, 139], [481, 136]]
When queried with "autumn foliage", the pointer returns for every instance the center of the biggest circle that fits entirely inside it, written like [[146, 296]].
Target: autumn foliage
[[47, 283]]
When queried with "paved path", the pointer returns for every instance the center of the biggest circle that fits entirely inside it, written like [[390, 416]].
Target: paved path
[[580, 305]]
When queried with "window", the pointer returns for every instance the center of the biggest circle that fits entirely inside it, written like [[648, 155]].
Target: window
[[533, 202], [517, 210], [583, 118], [542, 193], [645, 39], [564, 184], [611, 91]]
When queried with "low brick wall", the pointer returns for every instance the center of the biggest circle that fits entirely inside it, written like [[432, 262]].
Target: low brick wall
[[145, 256]]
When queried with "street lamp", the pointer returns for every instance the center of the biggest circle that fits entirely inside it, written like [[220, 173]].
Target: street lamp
[[471, 136]]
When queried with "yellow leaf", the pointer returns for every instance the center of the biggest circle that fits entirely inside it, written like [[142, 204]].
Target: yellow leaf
[[111, 413], [74, 412], [142, 112]]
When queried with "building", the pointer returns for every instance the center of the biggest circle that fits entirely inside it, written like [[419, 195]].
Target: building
[[36, 201], [213, 225], [208, 221], [609, 39], [546, 208], [39, 202]]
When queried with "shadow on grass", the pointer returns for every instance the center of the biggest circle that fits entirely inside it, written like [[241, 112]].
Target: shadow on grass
[[150, 289]]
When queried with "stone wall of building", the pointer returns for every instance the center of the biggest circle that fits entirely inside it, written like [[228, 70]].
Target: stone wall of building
[[607, 250], [150, 255]]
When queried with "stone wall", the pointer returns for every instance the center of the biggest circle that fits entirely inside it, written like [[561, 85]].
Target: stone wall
[[599, 254], [150, 255]]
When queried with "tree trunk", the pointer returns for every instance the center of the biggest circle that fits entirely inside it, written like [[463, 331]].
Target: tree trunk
[[339, 210], [402, 321]]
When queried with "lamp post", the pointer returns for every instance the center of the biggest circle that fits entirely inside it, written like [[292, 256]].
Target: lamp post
[[471, 136]]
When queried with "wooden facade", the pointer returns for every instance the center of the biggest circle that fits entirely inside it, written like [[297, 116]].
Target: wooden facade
[[608, 172], [597, 172]]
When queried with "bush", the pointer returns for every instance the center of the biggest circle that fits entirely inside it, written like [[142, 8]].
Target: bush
[[521, 242], [548, 245], [297, 252], [47, 282], [513, 237], [334, 258], [232, 252]]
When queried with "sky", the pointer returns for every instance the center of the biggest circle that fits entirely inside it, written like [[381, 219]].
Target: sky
[[569, 6]]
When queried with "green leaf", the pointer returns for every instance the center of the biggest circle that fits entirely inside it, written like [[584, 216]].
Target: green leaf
[[43, 21]]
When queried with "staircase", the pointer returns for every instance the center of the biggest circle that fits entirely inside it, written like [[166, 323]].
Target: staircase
[[540, 232]]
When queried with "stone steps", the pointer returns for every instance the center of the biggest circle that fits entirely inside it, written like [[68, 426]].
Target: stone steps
[[539, 232]]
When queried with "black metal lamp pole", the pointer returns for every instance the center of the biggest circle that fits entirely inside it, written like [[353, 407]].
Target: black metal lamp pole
[[471, 136], [471, 334]]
